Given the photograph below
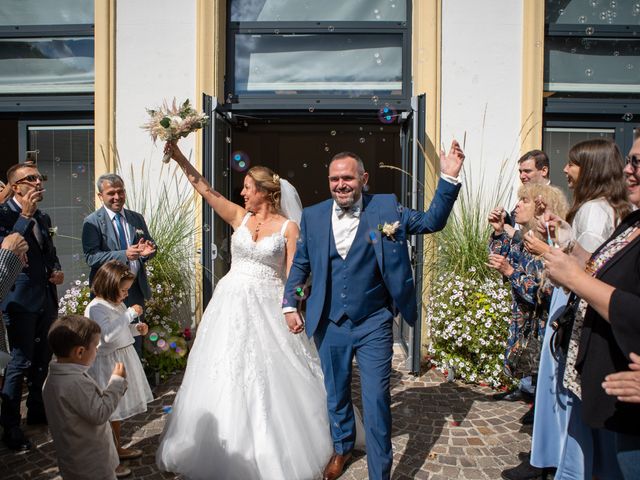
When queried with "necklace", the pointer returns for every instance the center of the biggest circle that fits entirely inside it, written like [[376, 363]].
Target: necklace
[[258, 225]]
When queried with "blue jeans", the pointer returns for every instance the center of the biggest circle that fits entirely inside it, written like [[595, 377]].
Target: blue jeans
[[628, 453], [30, 356]]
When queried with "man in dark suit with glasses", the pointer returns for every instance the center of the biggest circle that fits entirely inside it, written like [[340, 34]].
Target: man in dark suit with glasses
[[31, 305]]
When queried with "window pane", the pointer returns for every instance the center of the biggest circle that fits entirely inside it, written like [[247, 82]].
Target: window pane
[[318, 63], [594, 12], [314, 10], [66, 156], [592, 64], [46, 12], [558, 141], [46, 65]]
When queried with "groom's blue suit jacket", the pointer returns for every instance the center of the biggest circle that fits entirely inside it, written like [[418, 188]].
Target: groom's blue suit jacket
[[391, 255]]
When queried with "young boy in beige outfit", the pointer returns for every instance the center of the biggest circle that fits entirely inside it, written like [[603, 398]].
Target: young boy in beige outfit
[[77, 409]]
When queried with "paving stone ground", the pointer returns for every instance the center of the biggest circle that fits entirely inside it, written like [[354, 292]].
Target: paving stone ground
[[441, 431]]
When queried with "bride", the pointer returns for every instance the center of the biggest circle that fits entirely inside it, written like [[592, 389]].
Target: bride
[[252, 404]]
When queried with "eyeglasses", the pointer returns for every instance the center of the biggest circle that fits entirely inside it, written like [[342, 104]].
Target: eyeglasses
[[634, 160], [33, 178]]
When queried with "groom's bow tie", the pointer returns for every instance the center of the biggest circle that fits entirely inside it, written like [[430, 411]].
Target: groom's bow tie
[[353, 211]]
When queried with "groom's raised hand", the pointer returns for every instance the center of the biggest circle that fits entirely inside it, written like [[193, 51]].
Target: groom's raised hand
[[451, 163], [294, 322]]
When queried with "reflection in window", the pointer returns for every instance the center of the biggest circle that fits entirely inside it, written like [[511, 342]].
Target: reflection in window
[[66, 157], [594, 12], [46, 12], [592, 64], [46, 65], [314, 10], [317, 63], [558, 141]]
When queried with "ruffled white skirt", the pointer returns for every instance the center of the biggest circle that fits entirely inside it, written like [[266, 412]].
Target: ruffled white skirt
[[252, 404], [138, 394]]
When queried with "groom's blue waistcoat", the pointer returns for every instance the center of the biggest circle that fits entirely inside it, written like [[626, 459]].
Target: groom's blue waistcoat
[[393, 279], [356, 284]]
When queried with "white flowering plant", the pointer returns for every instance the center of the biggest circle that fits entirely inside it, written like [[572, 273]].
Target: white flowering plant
[[75, 298], [469, 307], [167, 344], [469, 321]]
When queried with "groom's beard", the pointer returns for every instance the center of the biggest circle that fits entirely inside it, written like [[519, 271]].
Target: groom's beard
[[346, 201]]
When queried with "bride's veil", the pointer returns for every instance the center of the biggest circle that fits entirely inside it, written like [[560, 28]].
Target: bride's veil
[[290, 203]]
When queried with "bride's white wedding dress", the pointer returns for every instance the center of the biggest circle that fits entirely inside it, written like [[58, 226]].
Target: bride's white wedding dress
[[252, 404]]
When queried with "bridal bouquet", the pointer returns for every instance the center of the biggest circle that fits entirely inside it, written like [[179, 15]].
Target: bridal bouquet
[[170, 123]]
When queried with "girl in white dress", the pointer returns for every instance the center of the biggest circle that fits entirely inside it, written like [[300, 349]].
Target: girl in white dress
[[110, 286], [252, 404]]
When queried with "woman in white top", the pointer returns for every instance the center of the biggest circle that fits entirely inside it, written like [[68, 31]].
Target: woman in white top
[[560, 439]]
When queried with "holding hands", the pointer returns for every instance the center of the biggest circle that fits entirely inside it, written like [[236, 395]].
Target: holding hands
[[451, 163], [294, 322]]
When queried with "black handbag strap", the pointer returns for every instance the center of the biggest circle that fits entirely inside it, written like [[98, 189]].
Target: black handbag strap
[[557, 324]]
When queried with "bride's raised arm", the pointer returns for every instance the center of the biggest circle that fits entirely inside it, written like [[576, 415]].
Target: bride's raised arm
[[228, 211]]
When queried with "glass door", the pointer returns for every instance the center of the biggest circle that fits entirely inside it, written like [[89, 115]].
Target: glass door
[[216, 233], [64, 153], [412, 139]]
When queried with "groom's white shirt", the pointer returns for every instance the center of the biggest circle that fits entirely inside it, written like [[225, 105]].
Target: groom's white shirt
[[344, 227]]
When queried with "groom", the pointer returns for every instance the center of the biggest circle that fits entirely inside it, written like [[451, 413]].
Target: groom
[[355, 247]]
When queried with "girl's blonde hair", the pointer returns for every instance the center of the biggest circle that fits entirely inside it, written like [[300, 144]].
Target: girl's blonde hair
[[268, 182], [551, 196]]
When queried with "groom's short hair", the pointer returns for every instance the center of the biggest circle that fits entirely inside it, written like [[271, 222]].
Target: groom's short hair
[[341, 155]]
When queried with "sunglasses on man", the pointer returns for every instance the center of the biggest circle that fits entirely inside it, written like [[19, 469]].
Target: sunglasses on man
[[634, 160], [33, 178]]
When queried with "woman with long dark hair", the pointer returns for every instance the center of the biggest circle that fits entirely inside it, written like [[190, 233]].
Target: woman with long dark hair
[[560, 439], [609, 292]]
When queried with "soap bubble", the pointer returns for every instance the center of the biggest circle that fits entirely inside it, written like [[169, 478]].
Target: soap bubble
[[387, 114], [240, 161]]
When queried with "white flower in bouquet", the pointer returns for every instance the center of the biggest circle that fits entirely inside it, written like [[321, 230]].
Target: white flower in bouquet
[[172, 122]]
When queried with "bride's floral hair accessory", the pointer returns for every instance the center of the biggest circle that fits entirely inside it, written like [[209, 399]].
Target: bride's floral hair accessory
[[267, 181]]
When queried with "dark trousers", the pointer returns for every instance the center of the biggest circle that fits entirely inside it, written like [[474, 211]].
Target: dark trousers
[[371, 342], [30, 356]]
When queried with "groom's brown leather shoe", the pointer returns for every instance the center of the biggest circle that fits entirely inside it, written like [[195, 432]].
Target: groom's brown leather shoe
[[335, 466]]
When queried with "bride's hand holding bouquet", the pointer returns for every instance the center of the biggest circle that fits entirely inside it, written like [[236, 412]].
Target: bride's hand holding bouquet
[[172, 122]]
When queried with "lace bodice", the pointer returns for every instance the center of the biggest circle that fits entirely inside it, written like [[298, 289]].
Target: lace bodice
[[263, 259]]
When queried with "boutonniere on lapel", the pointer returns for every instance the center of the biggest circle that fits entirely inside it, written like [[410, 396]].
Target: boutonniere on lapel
[[139, 232], [53, 231], [389, 229]]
